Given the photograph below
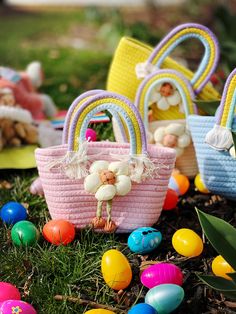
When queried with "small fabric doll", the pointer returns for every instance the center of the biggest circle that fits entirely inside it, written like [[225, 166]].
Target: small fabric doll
[[24, 85]]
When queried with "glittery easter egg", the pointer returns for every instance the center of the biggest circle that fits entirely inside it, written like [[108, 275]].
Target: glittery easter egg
[[162, 273], [116, 270], [165, 298], [16, 307], [8, 291], [187, 243], [144, 240], [13, 212], [142, 308], [24, 233], [220, 267]]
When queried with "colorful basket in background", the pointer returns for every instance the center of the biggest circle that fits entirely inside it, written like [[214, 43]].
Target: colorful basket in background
[[122, 76], [109, 185], [214, 144]]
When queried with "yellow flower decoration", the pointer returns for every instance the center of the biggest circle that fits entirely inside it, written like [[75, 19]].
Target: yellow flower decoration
[[16, 309]]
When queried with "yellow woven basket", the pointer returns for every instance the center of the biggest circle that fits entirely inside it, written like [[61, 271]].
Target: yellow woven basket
[[122, 76]]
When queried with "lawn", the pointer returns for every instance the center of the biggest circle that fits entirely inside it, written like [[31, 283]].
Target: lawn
[[75, 49]]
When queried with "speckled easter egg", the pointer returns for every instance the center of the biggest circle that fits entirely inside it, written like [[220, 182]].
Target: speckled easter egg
[[165, 298], [8, 291], [59, 231], [99, 311], [144, 240], [24, 233], [142, 308], [116, 270], [16, 307], [221, 268], [13, 212], [162, 273], [187, 243]]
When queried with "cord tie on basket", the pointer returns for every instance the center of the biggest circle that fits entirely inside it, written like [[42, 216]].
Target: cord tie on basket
[[219, 138], [143, 69], [74, 163]]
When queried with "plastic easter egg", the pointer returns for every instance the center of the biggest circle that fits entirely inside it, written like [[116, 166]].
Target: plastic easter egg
[[16, 306], [179, 183], [99, 311], [171, 200], [24, 233], [116, 270], [160, 274], [8, 291], [142, 308], [91, 135], [144, 240], [165, 298], [13, 212], [220, 267], [187, 243], [59, 232], [200, 185]]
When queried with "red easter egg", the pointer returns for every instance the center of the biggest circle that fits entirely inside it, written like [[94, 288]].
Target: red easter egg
[[8, 291], [59, 232], [91, 135], [171, 200]]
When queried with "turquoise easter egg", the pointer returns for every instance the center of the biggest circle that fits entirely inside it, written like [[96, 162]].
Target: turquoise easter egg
[[144, 240], [142, 308], [165, 298]]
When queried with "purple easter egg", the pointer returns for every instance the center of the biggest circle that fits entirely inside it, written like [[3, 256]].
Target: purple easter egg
[[162, 273], [16, 307]]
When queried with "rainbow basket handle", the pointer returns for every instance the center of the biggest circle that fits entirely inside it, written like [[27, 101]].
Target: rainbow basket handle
[[114, 103], [182, 33], [220, 137], [164, 76]]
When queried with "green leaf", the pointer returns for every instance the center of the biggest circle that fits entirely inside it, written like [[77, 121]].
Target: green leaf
[[209, 107], [221, 235], [218, 283], [233, 276]]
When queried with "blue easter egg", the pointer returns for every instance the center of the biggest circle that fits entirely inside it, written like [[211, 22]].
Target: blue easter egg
[[165, 298], [13, 212], [144, 240], [142, 308]]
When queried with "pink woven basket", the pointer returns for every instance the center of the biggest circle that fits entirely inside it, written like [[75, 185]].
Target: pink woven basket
[[64, 169]]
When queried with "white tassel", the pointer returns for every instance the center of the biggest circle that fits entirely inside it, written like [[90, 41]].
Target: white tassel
[[219, 138], [141, 167], [73, 164], [144, 69]]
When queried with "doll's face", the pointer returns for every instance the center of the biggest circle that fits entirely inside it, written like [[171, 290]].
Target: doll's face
[[7, 99]]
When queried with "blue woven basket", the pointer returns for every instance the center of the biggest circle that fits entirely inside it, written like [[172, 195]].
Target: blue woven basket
[[213, 142]]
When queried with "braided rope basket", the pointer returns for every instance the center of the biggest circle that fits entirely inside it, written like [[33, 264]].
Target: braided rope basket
[[213, 141], [66, 170]]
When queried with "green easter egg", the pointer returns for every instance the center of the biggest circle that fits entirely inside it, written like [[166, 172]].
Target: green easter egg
[[24, 233]]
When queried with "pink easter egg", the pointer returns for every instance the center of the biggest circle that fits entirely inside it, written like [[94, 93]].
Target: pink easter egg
[[16, 307], [8, 292], [162, 273], [91, 135]]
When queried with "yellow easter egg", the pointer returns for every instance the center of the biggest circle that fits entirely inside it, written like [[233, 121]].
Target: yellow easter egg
[[116, 270], [99, 311], [187, 243], [220, 267], [200, 185]]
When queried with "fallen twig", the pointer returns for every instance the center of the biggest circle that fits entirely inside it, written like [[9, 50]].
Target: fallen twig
[[88, 302]]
